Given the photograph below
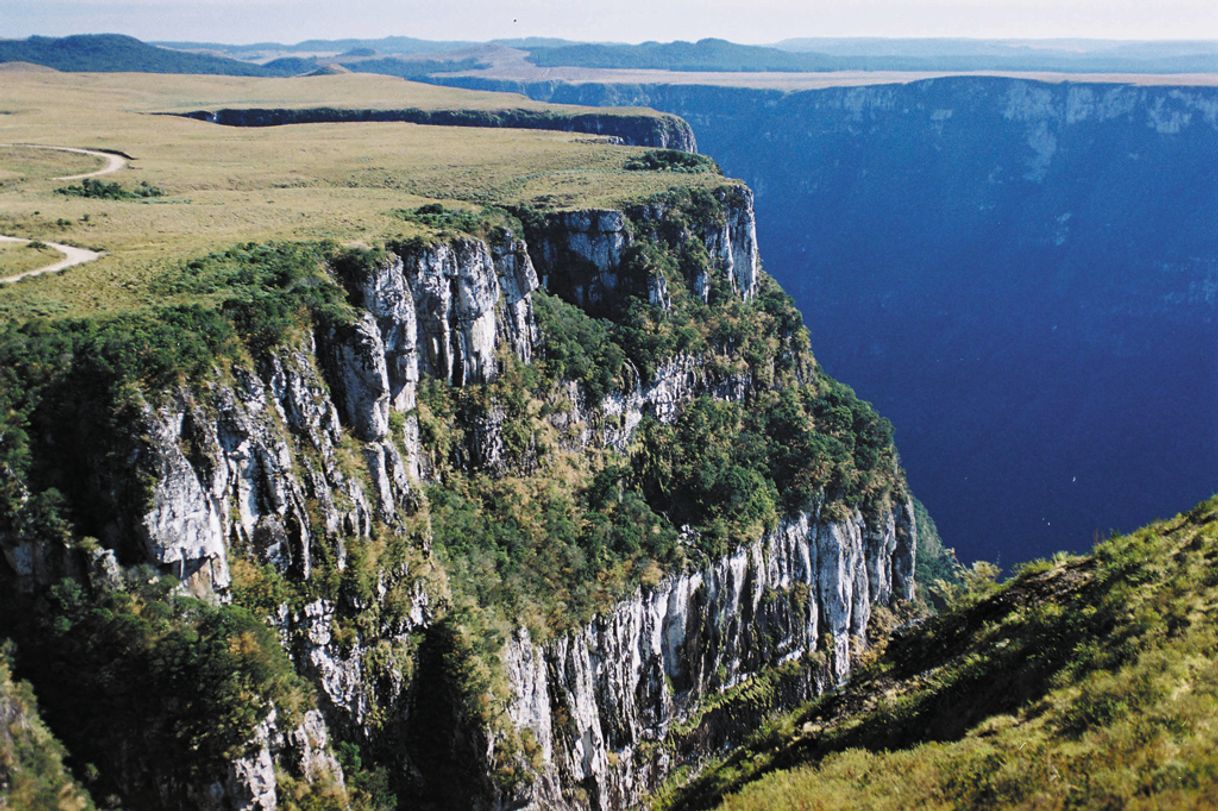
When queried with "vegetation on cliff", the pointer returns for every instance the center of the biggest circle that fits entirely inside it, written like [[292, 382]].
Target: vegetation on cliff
[[32, 771]]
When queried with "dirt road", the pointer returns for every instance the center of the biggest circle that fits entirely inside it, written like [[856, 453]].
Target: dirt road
[[71, 257]]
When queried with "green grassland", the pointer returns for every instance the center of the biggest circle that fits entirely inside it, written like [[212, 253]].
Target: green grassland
[[227, 185], [26, 163], [1084, 682]]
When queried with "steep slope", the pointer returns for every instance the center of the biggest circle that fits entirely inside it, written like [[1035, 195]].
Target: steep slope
[[1033, 264], [484, 502], [1084, 682]]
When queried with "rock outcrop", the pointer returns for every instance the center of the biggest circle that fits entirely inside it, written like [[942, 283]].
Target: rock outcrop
[[593, 699], [663, 131]]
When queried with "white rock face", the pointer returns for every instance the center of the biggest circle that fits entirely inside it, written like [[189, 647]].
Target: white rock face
[[222, 468], [517, 280], [590, 698], [455, 288], [361, 378], [733, 246], [582, 252], [184, 527], [612, 422]]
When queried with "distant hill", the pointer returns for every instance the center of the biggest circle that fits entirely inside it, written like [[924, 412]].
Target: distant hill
[[802, 54], [869, 54], [108, 53], [706, 54], [11, 67], [385, 65], [386, 45]]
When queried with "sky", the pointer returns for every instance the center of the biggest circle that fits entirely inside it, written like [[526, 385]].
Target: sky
[[758, 21]]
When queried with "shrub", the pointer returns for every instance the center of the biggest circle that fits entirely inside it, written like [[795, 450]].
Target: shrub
[[93, 188], [671, 160]]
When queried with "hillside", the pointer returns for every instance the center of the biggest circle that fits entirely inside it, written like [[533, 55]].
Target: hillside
[[1083, 682], [384, 465], [116, 52]]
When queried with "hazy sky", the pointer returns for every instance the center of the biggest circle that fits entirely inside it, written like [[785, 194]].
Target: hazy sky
[[622, 20]]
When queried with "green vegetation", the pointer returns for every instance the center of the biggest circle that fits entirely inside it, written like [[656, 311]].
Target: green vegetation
[[936, 569], [447, 222], [1080, 683], [194, 678], [541, 530], [555, 544], [671, 160], [96, 189], [32, 772], [579, 347]]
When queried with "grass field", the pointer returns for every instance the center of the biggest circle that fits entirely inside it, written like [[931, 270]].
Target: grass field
[[27, 163], [226, 185], [18, 257]]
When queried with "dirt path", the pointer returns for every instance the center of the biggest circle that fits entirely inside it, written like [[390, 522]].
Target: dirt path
[[72, 257], [113, 162]]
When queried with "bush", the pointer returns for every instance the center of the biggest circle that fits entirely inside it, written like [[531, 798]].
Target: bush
[[671, 160], [96, 189], [579, 347]]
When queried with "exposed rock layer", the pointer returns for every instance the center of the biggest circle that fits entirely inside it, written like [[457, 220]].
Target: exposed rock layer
[[663, 131]]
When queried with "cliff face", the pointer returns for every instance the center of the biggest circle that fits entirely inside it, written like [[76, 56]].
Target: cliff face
[[294, 480], [593, 699], [1044, 251], [664, 131]]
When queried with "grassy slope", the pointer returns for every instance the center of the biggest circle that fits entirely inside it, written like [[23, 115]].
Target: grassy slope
[[227, 185], [1086, 682]]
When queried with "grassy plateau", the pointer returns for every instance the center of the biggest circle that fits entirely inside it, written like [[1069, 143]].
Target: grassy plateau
[[220, 186]]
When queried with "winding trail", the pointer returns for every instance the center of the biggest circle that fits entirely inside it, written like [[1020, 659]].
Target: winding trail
[[113, 162], [72, 256]]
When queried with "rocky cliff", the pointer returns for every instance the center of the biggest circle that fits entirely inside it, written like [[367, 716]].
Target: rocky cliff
[[665, 131], [321, 479], [1040, 250]]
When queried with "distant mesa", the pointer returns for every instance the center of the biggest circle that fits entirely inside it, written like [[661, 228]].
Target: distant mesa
[[358, 52]]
